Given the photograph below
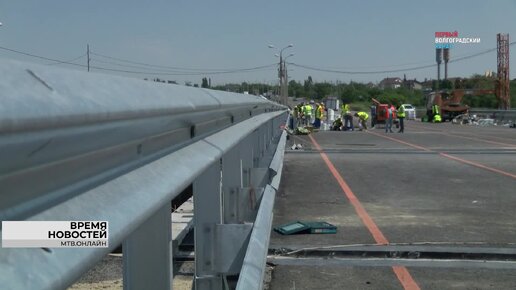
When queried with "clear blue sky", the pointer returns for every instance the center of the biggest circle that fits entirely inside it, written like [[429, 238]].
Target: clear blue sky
[[342, 35]]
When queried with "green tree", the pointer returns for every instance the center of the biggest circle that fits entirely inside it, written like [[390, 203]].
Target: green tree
[[309, 87], [296, 89], [348, 94], [322, 90], [205, 83], [446, 85]]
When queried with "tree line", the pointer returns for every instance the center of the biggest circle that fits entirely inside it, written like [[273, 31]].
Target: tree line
[[355, 92]]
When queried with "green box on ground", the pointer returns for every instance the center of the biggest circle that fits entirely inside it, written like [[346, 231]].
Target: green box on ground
[[306, 227], [321, 227]]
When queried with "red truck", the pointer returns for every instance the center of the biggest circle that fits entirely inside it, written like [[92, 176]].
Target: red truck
[[379, 113]]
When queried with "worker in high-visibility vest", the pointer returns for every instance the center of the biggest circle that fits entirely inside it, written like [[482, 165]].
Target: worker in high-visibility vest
[[337, 125], [401, 117], [436, 111], [307, 112], [319, 113], [348, 119], [295, 117], [300, 111], [362, 120], [312, 117]]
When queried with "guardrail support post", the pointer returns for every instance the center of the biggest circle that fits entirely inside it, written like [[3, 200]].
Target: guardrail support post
[[207, 213], [147, 253], [247, 157], [257, 146], [231, 184]]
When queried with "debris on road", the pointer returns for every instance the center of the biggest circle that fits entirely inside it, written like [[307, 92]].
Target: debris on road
[[475, 120], [299, 131], [296, 147], [302, 131]]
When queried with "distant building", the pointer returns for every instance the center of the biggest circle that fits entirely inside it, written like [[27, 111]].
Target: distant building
[[412, 84], [390, 83], [370, 85], [427, 84]]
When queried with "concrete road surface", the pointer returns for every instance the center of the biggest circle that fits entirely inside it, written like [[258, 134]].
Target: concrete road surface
[[433, 208]]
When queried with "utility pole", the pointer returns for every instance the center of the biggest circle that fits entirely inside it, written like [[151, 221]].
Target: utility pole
[[88, 54], [283, 100], [282, 75], [286, 80]]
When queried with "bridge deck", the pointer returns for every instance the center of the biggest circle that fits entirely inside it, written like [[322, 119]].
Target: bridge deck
[[444, 194]]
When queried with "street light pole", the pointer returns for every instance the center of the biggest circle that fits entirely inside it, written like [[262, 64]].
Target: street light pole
[[286, 77], [282, 76]]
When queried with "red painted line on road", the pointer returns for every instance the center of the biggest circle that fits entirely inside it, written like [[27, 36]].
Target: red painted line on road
[[364, 216], [405, 278], [481, 140], [478, 165], [465, 137], [402, 142], [401, 272]]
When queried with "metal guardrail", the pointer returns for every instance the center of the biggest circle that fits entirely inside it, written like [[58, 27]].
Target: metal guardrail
[[508, 116], [253, 268], [79, 146]]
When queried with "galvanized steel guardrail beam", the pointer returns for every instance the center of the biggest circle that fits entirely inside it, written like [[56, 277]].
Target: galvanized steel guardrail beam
[[77, 146], [499, 115], [228, 208], [253, 268], [70, 131]]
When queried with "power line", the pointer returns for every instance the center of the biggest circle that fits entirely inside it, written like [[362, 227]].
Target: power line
[[67, 61], [251, 69], [135, 62], [178, 71], [380, 66], [426, 62], [131, 66], [394, 70], [359, 72], [40, 57], [473, 55], [174, 68]]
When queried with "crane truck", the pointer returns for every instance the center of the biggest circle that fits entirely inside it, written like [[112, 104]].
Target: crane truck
[[450, 102]]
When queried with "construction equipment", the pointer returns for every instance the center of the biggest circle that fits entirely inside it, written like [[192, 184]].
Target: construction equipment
[[450, 102], [379, 113]]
